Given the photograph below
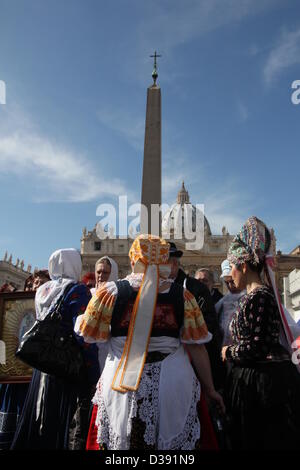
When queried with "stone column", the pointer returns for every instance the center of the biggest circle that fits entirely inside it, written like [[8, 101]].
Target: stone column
[[151, 184]]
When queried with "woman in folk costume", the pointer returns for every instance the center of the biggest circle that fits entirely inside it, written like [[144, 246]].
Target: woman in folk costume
[[148, 394], [56, 413], [263, 386], [106, 270]]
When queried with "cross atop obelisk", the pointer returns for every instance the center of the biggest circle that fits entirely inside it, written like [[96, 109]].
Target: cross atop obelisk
[[151, 185], [154, 73]]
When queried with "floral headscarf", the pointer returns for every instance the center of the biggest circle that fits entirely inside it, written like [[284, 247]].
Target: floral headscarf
[[250, 244], [253, 244]]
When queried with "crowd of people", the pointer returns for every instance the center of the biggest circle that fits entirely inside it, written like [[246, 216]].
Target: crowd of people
[[172, 363], [13, 395]]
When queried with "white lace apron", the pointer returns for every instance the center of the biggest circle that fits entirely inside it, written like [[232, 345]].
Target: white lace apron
[[168, 395]]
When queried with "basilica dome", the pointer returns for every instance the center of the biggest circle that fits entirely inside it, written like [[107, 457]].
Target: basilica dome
[[181, 213]]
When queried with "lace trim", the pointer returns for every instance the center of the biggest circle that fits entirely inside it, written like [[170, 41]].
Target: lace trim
[[145, 403], [148, 396], [106, 434], [187, 439]]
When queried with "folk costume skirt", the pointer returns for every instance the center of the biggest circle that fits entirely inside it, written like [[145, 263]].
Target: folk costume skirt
[[55, 415], [208, 440], [263, 404], [148, 422]]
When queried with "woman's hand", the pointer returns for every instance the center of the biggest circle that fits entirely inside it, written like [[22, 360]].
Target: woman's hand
[[201, 363], [216, 399], [223, 353]]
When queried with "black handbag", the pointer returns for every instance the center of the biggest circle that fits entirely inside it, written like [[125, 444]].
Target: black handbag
[[50, 346]]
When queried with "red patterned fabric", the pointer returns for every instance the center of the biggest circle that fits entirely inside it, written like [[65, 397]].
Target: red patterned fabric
[[208, 437], [91, 443], [164, 317]]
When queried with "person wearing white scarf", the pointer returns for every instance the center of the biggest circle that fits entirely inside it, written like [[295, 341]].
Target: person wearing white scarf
[[55, 414], [113, 275], [108, 262], [64, 268]]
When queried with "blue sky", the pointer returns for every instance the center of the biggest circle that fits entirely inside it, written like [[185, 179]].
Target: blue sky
[[72, 128]]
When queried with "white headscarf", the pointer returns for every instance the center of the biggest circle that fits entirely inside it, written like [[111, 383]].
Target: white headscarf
[[114, 271], [64, 268]]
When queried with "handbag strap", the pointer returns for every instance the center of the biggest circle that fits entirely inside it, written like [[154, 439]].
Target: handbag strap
[[55, 312]]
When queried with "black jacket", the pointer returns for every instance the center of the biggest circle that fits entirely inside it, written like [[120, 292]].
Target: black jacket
[[216, 295], [204, 299]]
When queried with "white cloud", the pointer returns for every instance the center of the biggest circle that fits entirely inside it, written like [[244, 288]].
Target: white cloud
[[58, 173], [285, 54], [224, 209]]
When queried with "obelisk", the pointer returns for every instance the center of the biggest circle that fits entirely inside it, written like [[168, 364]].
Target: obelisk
[[151, 184]]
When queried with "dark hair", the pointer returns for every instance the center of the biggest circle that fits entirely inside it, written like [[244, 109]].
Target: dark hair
[[28, 282], [257, 268], [42, 273]]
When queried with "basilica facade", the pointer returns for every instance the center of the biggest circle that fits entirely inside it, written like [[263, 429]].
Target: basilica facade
[[210, 256], [13, 273]]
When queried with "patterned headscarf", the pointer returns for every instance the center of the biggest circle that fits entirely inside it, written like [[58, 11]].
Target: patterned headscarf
[[250, 244], [149, 250]]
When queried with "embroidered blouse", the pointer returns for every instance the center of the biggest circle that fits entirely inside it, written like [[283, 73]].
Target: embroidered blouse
[[109, 312], [255, 329]]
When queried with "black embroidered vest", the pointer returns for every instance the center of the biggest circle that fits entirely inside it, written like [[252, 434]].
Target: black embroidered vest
[[168, 316]]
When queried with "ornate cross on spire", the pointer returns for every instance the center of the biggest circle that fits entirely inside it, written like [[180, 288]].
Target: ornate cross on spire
[[154, 73]]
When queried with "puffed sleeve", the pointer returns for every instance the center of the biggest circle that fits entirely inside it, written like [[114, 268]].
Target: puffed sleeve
[[94, 324], [194, 329]]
